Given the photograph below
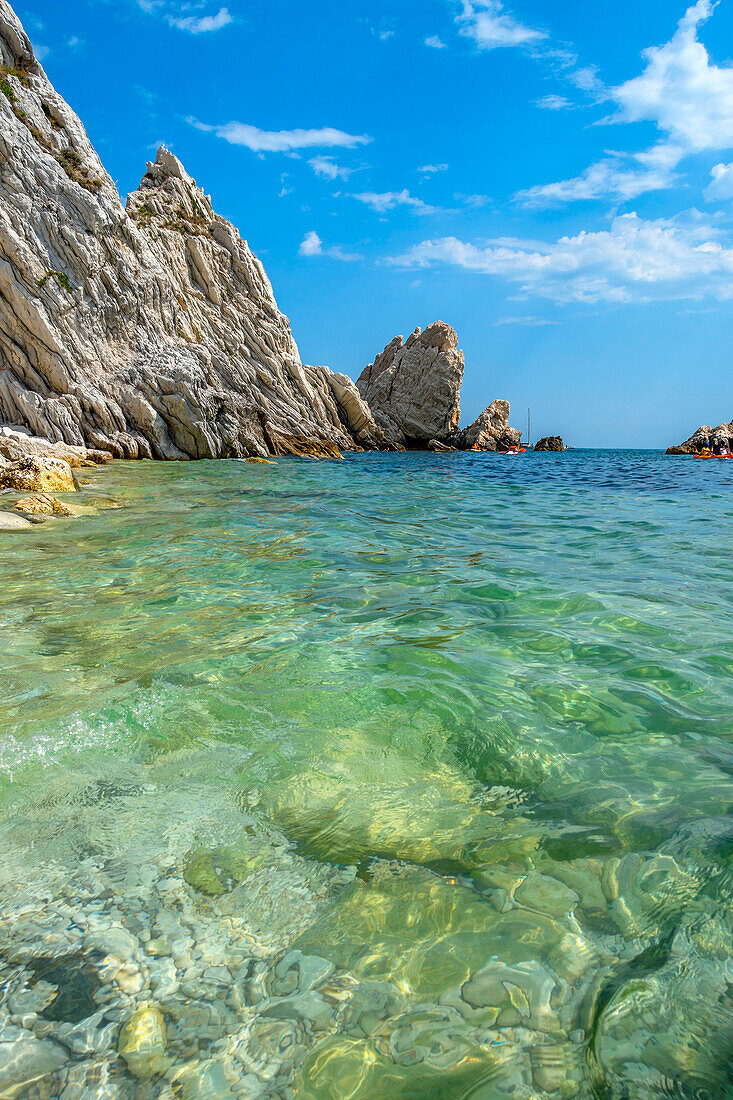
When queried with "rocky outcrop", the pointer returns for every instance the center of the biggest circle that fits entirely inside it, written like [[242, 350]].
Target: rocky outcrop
[[9, 522], [490, 431], [43, 505], [16, 444], [37, 475], [705, 434], [550, 443], [413, 387], [146, 332]]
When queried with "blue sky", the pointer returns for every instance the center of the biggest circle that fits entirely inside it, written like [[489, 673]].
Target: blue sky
[[556, 181]]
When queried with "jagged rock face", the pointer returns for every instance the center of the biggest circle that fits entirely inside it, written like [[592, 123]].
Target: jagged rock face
[[550, 443], [490, 430], [413, 388], [151, 332], [705, 434]]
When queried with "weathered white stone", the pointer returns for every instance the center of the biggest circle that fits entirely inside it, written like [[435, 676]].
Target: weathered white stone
[[413, 388], [150, 331], [490, 430]]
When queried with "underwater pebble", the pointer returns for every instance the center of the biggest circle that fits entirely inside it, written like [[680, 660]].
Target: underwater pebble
[[142, 1042]]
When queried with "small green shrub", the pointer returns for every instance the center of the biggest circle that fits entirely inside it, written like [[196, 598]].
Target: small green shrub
[[61, 278]]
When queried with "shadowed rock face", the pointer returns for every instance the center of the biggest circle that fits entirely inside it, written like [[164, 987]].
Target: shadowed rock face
[[704, 434], [146, 332], [413, 388], [550, 443]]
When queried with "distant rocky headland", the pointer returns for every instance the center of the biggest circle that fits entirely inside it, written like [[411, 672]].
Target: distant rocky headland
[[152, 331], [722, 437]]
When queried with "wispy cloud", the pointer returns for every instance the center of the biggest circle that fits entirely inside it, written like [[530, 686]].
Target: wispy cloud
[[634, 260], [312, 245], [474, 202], [201, 24], [529, 322], [384, 201], [435, 43], [431, 169], [618, 177], [688, 99], [721, 187], [491, 28], [328, 169], [555, 103], [280, 141]]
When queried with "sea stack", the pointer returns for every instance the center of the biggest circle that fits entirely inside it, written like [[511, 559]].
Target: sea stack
[[413, 387]]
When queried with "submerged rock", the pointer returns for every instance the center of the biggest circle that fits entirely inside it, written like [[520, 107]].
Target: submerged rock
[[413, 388], [142, 1042], [150, 331], [43, 505], [550, 443]]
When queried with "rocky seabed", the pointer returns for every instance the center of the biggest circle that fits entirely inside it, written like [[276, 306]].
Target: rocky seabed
[[240, 968]]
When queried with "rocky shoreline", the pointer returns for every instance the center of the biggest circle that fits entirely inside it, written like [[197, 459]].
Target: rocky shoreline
[[151, 330]]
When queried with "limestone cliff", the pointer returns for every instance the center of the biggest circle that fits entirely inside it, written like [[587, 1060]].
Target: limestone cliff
[[146, 332]]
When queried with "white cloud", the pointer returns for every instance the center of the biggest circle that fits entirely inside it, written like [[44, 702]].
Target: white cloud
[[587, 80], [634, 260], [328, 169], [388, 200], [384, 36], [435, 43], [202, 24], [312, 245], [617, 177], [722, 186], [430, 169], [687, 98], [472, 201], [554, 103], [680, 91], [280, 141], [73, 42], [41, 52], [490, 28]]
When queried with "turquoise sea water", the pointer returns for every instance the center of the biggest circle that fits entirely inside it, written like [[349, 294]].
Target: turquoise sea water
[[402, 776]]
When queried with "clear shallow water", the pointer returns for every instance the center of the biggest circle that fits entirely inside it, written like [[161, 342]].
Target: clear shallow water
[[457, 729]]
